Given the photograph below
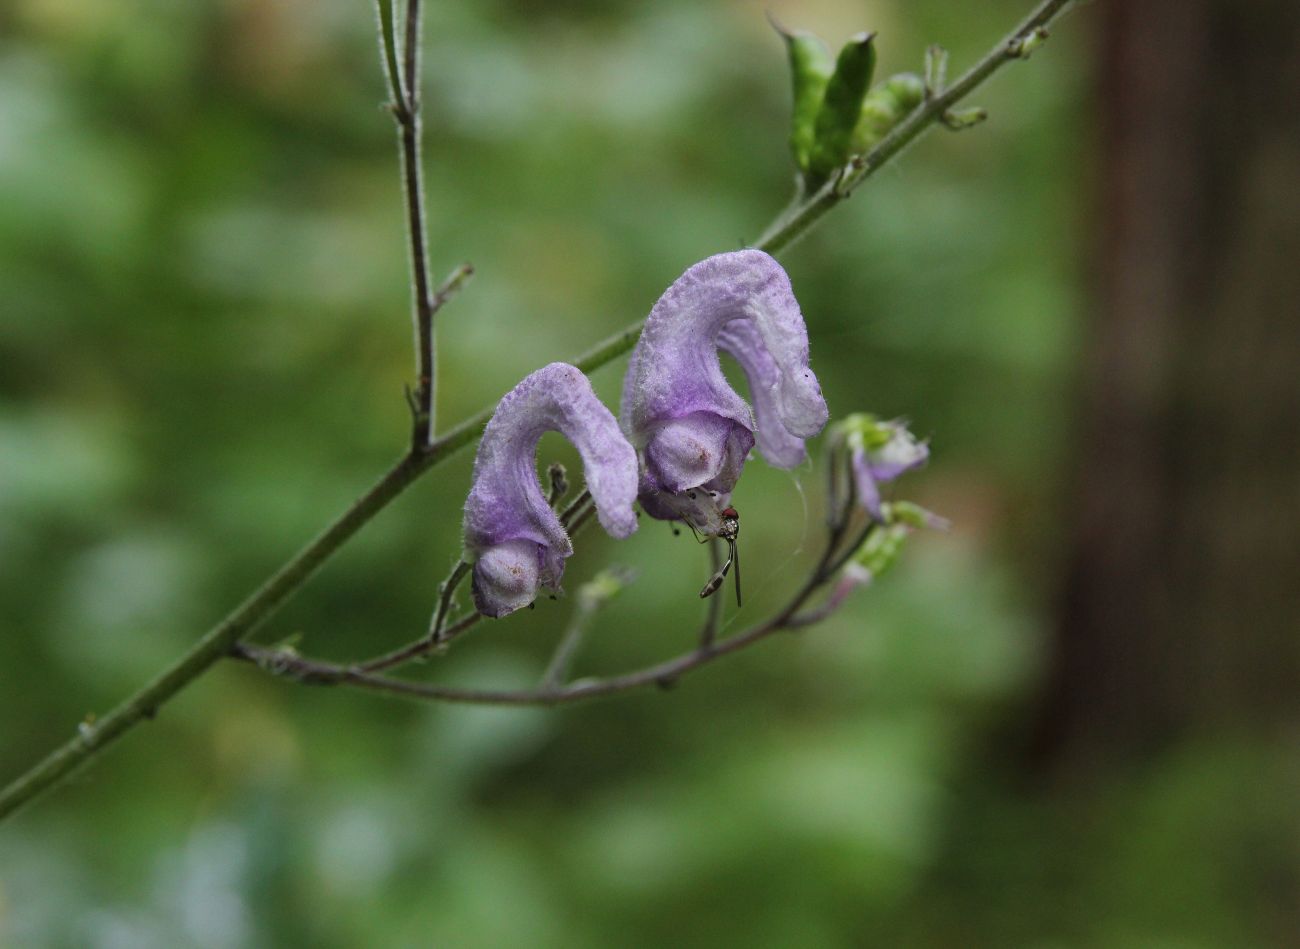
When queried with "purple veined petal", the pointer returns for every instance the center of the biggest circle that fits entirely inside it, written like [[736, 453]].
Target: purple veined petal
[[675, 374], [514, 538]]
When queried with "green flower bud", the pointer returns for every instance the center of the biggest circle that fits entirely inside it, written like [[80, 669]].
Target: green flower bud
[[1023, 47], [841, 107], [881, 550], [936, 69], [862, 430], [913, 515], [961, 119], [810, 70], [884, 107]]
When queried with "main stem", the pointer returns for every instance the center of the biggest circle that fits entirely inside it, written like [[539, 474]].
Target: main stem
[[94, 736], [406, 110]]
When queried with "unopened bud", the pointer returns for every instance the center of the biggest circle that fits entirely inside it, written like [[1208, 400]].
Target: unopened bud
[[880, 551], [884, 107], [961, 119], [1024, 46], [810, 69], [915, 516], [841, 107], [936, 69]]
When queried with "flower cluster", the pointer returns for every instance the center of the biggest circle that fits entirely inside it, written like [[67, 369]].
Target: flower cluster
[[682, 437]]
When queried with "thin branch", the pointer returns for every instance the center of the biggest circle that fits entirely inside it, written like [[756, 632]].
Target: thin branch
[[315, 672], [447, 590], [1031, 30], [407, 114], [388, 41], [94, 736], [217, 642], [557, 670], [574, 508], [792, 616], [440, 634]]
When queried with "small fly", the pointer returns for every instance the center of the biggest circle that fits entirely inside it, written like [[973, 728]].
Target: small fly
[[728, 530]]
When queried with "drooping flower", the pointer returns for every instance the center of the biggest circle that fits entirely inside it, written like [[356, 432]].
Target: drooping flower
[[880, 452], [513, 538], [691, 429]]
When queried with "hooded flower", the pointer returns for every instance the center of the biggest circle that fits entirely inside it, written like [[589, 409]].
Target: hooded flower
[[512, 536], [692, 430]]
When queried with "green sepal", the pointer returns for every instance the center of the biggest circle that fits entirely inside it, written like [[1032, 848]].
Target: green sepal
[[810, 70], [913, 515], [884, 107], [880, 551], [862, 430], [841, 107], [960, 119]]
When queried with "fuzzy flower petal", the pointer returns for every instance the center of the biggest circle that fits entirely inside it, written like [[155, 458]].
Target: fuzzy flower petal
[[779, 446], [511, 534], [678, 409]]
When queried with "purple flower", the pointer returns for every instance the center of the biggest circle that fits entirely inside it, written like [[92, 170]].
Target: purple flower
[[691, 429], [512, 536], [880, 452]]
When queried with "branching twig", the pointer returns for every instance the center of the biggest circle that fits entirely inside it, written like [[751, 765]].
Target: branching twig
[[551, 692], [406, 111], [935, 107], [440, 633], [426, 452]]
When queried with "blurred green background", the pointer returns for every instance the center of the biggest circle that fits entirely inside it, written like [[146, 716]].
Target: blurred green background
[[204, 337]]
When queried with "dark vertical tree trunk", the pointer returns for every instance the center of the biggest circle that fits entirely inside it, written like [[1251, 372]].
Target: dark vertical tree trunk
[[1180, 607]]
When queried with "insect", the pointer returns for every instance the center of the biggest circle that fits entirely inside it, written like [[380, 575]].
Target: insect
[[708, 515], [728, 530]]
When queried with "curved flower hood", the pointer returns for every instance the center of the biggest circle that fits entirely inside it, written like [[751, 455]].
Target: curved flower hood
[[513, 538], [690, 426]]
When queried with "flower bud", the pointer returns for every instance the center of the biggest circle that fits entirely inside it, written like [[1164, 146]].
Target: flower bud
[[810, 70], [914, 516], [841, 107], [884, 107], [880, 551], [878, 452]]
